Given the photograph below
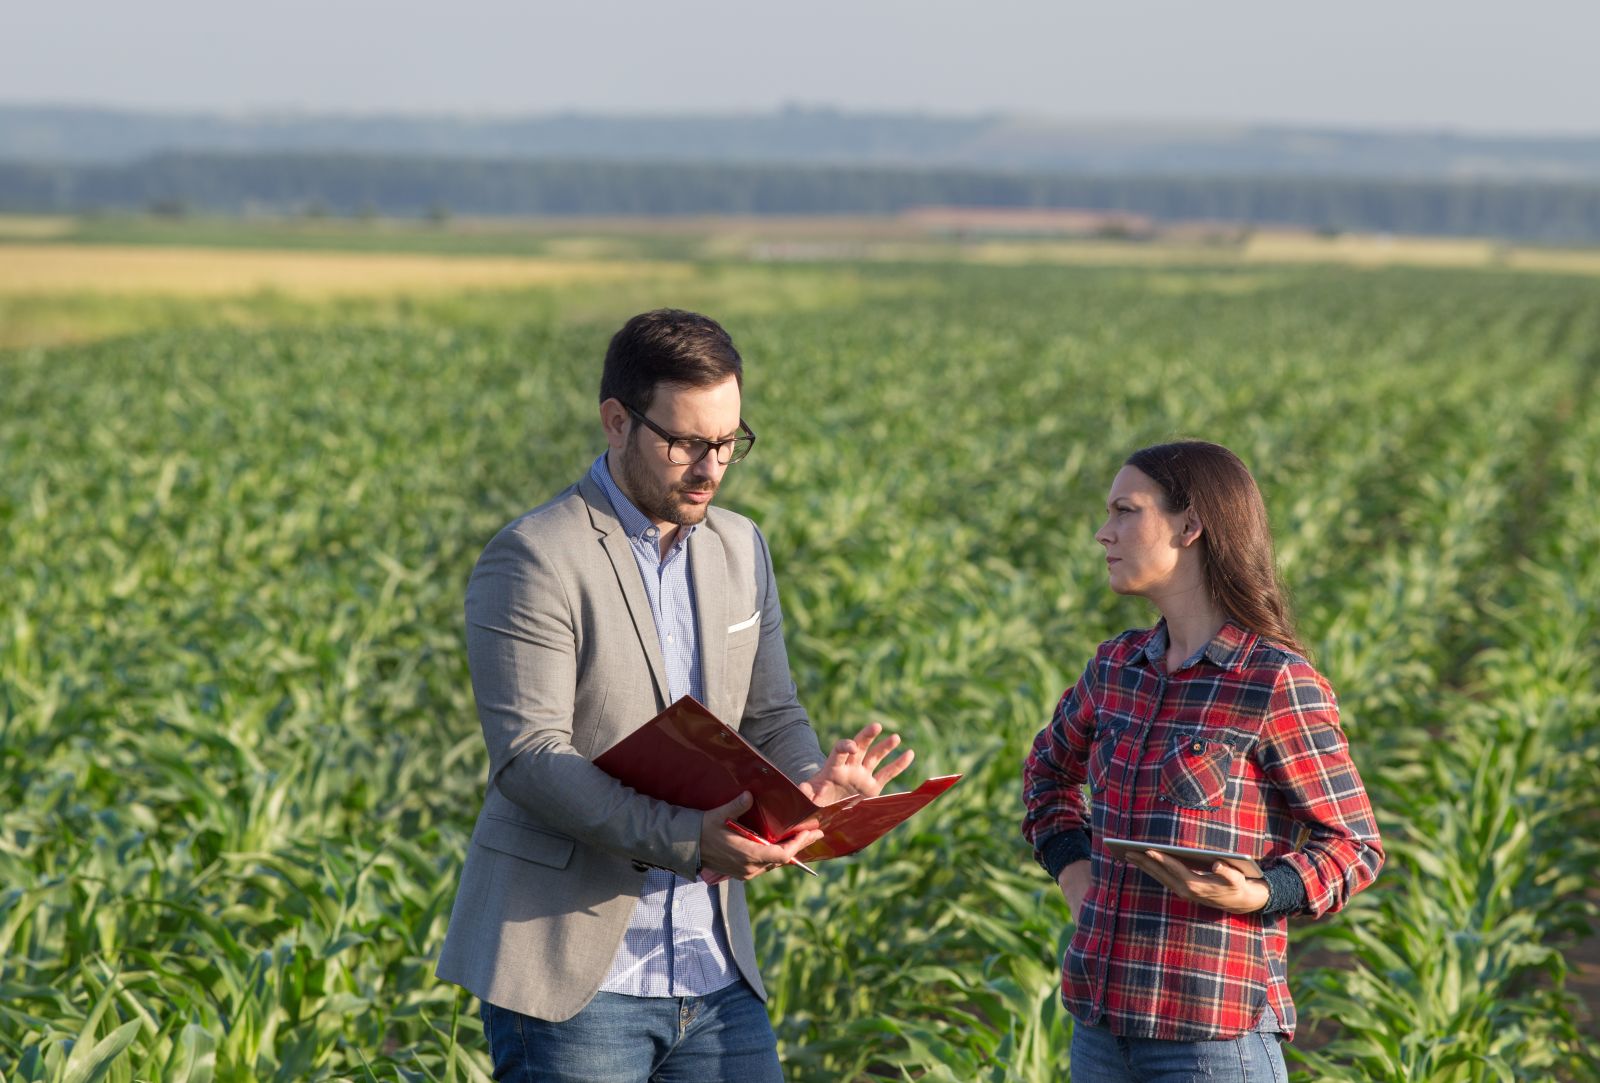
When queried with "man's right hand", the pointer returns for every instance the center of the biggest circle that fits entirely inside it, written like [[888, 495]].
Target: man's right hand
[[725, 852], [1074, 882]]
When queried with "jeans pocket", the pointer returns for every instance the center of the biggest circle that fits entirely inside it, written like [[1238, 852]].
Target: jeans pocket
[[1195, 772]]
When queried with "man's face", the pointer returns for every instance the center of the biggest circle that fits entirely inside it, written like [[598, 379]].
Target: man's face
[[669, 494]]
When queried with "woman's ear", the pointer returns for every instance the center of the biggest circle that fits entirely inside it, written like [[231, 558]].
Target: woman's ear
[[1192, 528]]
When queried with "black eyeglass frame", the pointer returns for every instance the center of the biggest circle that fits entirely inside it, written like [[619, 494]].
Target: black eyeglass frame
[[673, 441]]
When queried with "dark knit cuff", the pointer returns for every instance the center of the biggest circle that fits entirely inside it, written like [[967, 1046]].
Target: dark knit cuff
[[1286, 892], [1061, 850]]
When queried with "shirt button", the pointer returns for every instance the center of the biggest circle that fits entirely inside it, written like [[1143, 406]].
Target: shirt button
[[1197, 748]]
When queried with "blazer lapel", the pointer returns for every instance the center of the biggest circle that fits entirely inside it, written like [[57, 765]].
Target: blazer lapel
[[616, 545], [709, 566]]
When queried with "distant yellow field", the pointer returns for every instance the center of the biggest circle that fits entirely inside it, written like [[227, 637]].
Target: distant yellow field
[[1265, 248], [1570, 261], [1382, 250], [42, 270], [31, 227], [1370, 250], [32, 271]]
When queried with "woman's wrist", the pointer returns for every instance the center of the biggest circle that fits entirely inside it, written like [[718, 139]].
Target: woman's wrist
[[1260, 895], [1063, 849], [1286, 891]]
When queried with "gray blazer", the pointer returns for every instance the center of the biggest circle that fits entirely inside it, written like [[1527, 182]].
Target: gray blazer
[[565, 662]]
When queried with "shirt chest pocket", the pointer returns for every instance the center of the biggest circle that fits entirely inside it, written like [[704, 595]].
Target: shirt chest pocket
[[1108, 734], [1195, 771]]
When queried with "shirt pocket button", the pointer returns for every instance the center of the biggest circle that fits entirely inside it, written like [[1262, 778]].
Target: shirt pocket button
[[1195, 773]]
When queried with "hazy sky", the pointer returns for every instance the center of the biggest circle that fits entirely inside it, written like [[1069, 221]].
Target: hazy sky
[[1461, 64]]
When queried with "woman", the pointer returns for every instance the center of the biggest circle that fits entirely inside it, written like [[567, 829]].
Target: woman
[[1210, 730]]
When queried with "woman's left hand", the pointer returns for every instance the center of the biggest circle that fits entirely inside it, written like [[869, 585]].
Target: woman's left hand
[[1224, 887]]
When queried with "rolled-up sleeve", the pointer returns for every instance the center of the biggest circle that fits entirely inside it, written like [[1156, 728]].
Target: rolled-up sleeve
[[1054, 774], [1304, 754]]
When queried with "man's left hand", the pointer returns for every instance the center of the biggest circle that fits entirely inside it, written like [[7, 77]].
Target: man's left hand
[[856, 766], [1224, 887]]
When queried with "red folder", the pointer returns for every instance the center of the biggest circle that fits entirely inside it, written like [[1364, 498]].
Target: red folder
[[686, 756]]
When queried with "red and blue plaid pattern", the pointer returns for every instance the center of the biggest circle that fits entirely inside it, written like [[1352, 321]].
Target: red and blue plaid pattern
[[1240, 749]]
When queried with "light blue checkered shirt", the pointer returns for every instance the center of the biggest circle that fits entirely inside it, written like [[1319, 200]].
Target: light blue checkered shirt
[[675, 945]]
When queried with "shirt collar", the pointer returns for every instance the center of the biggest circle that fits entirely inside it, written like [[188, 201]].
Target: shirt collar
[[635, 523], [1226, 650]]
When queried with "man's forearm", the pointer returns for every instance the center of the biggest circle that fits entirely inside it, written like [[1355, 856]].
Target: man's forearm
[[567, 793], [791, 744]]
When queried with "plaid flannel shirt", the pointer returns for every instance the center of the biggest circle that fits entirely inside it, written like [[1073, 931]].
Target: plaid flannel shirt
[[1239, 749]]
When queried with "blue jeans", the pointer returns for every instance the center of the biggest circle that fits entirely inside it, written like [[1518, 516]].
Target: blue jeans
[[1098, 1056], [724, 1036]]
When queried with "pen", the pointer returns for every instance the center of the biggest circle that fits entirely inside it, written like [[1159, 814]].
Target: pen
[[740, 829]]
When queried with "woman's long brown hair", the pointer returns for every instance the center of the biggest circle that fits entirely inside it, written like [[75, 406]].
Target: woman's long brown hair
[[1235, 541]]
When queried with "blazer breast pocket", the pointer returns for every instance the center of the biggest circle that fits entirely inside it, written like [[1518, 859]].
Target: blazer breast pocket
[[745, 634]]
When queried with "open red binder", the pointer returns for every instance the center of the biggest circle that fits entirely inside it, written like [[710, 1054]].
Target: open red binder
[[687, 756]]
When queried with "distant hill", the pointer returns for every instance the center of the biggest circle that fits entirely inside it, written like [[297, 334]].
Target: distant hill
[[81, 135]]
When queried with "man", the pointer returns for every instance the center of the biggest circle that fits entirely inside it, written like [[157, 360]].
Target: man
[[585, 921]]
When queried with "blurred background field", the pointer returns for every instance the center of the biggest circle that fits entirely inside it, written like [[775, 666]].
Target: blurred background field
[[68, 278], [238, 747]]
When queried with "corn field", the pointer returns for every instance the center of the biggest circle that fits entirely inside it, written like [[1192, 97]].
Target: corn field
[[239, 761]]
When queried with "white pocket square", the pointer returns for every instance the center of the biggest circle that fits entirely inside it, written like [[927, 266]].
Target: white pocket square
[[747, 622]]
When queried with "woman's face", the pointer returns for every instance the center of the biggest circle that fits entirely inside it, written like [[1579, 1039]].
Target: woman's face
[[1144, 543]]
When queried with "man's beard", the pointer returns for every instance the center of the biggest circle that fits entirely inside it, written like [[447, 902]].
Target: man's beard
[[655, 498]]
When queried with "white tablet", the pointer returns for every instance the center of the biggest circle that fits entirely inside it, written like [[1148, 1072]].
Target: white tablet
[[1200, 860]]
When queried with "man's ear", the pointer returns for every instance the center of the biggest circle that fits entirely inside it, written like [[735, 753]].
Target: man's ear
[[616, 422], [1192, 528]]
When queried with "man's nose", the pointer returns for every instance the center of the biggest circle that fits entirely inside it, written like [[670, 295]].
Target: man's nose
[[708, 468]]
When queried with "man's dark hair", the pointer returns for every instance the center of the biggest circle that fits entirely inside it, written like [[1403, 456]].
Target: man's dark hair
[[668, 346]]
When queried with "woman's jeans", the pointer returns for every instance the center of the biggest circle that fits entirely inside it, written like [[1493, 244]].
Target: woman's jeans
[[1098, 1056]]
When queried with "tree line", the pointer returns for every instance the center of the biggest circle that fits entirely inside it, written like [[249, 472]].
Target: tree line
[[800, 135], [351, 184]]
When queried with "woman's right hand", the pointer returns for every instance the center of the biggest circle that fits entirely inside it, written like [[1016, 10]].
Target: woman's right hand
[[1074, 882]]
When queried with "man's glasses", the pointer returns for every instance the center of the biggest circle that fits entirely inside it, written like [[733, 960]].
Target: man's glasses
[[688, 450]]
